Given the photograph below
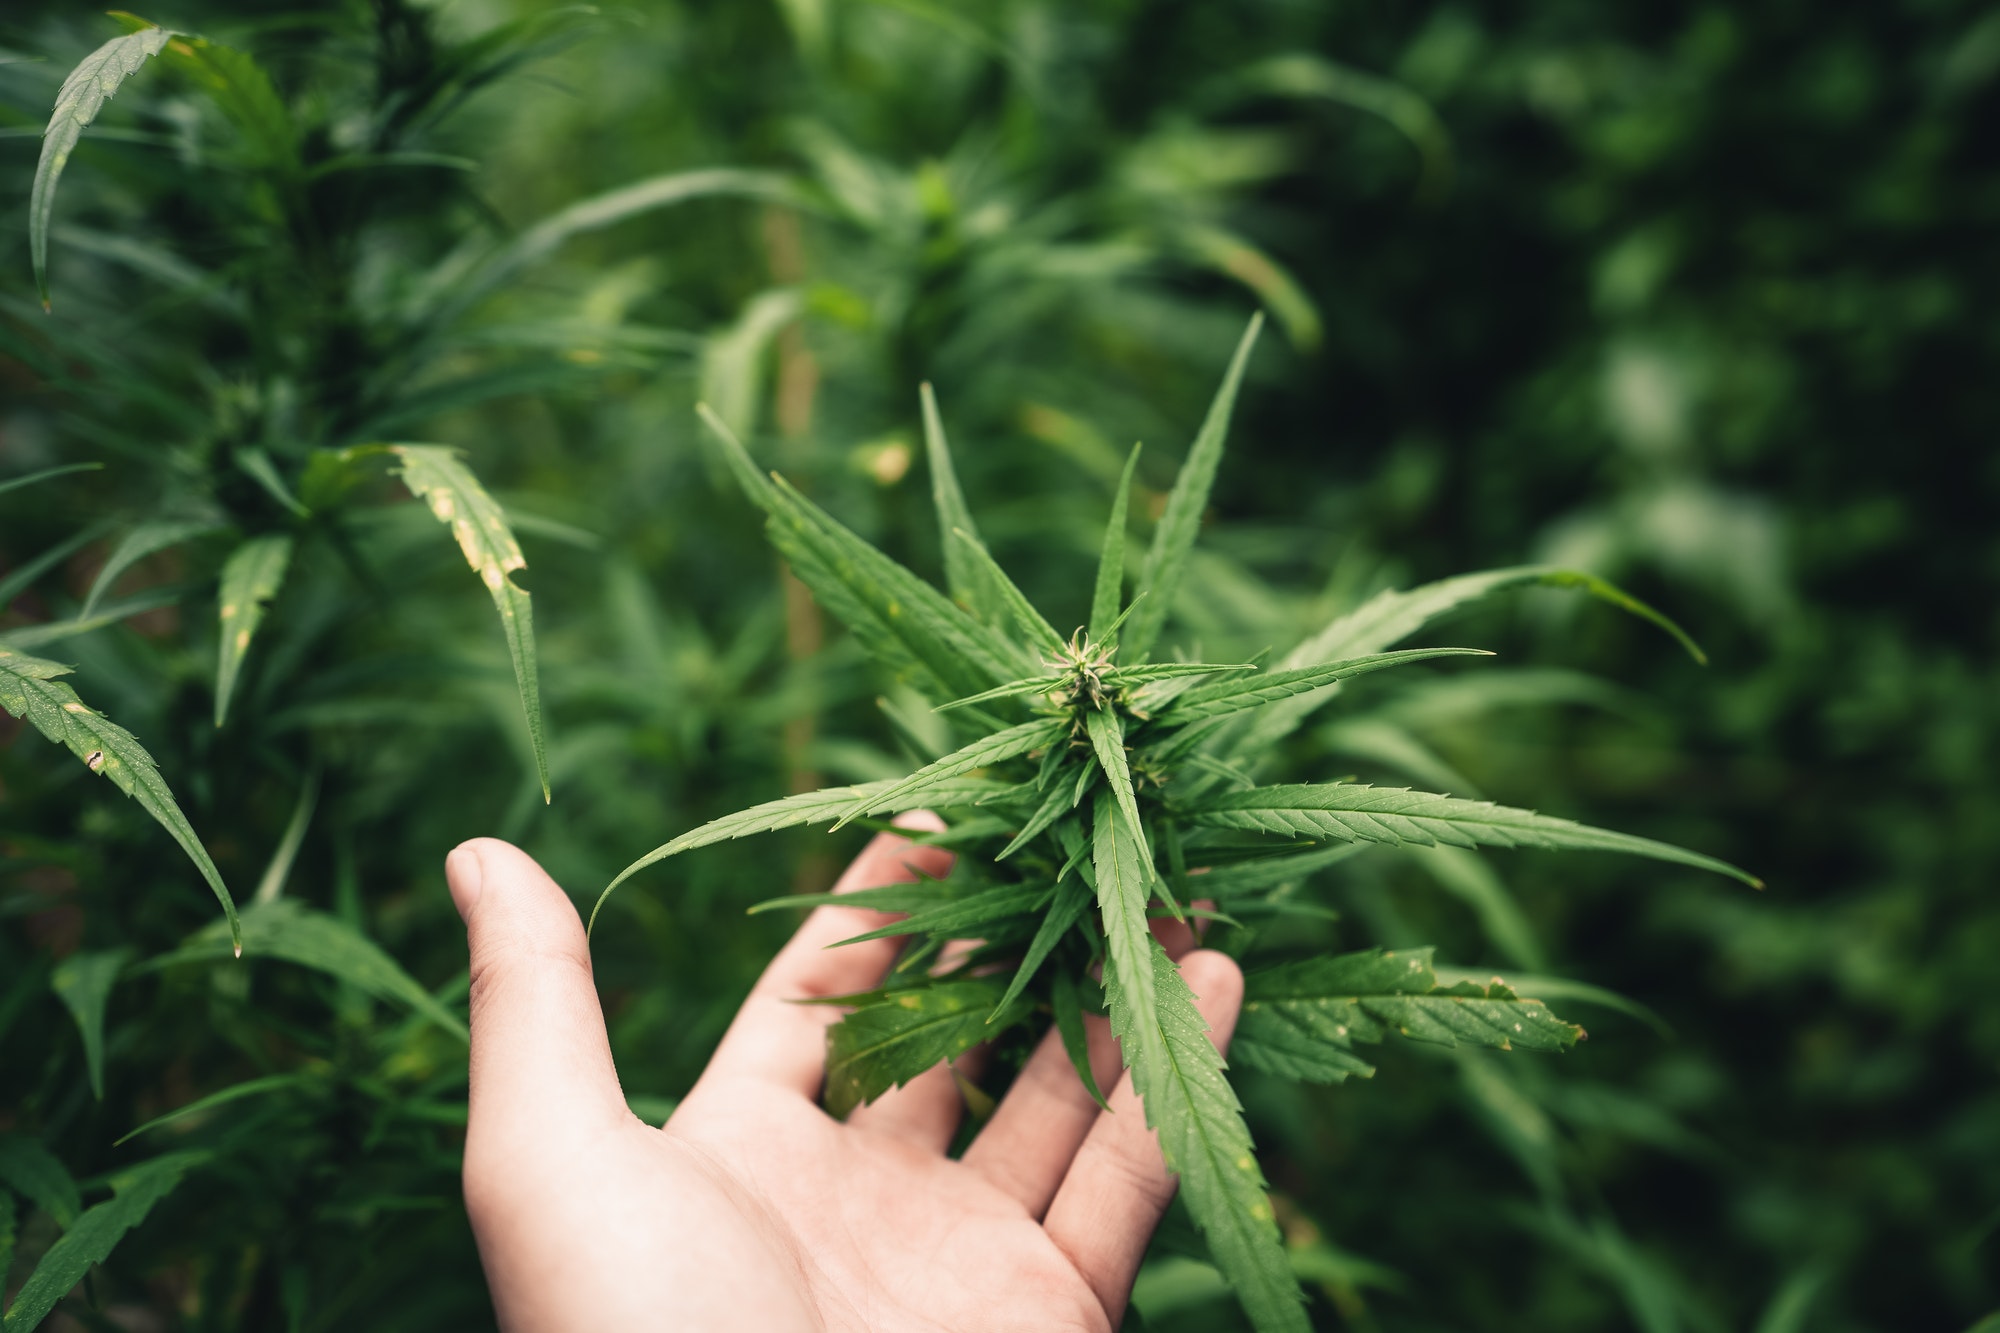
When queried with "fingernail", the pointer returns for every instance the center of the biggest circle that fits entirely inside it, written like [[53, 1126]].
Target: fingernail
[[464, 872], [923, 821]]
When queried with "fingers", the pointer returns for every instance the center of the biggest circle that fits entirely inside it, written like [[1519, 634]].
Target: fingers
[[541, 1066], [783, 1042], [1118, 1186], [1028, 1144]]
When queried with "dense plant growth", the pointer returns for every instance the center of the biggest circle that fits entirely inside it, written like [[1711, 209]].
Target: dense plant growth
[[1684, 296], [1131, 784]]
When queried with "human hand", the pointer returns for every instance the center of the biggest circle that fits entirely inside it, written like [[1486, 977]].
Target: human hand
[[754, 1209]]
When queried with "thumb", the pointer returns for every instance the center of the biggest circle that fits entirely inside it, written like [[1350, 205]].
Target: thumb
[[541, 1065]]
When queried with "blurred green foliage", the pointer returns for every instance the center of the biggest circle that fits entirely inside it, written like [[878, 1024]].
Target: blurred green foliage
[[1693, 296]]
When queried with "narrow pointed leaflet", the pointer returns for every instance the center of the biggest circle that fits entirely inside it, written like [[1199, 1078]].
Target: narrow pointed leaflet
[[250, 579], [1355, 812], [1299, 1020], [806, 808], [963, 576], [1231, 696], [1040, 634], [1107, 741], [1180, 1079], [1180, 523], [1109, 590], [30, 689], [82, 95], [898, 617], [1009, 744], [434, 474]]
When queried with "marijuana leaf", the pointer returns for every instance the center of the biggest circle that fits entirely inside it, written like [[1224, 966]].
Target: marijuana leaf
[[434, 474], [1353, 812], [1300, 1019], [30, 688], [968, 581], [249, 580], [1179, 1077], [1180, 522], [92, 1237], [891, 1039], [82, 95], [1231, 696], [1109, 588], [1009, 744]]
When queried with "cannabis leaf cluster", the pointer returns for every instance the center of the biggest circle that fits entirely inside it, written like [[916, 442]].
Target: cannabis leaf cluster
[[1097, 788]]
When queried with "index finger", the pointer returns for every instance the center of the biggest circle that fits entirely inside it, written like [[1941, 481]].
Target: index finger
[[775, 1039]]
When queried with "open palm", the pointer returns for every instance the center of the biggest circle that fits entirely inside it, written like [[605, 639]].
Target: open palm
[[754, 1209]]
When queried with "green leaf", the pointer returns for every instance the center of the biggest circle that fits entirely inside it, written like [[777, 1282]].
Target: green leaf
[[1235, 695], [1067, 909], [289, 930], [1146, 673], [434, 474], [1039, 633], [1300, 75], [962, 918], [1392, 616], [1299, 1019], [988, 750], [242, 91], [1013, 689], [902, 621], [604, 210], [1389, 617], [16, 483], [969, 582], [279, 868], [1075, 1039], [1559, 988], [257, 465], [1181, 521], [1233, 256], [1054, 802], [235, 1092], [55, 631], [1179, 1077], [1123, 885], [891, 1039], [139, 543], [1109, 590], [1107, 741], [805, 808], [1792, 1303], [1271, 872], [1355, 812], [83, 982], [94, 1235], [250, 578], [82, 96], [29, 689], [733, 359], [29, 1169]]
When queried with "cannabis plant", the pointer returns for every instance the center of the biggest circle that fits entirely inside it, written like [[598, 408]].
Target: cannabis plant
[[1098, 784]]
